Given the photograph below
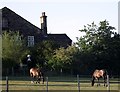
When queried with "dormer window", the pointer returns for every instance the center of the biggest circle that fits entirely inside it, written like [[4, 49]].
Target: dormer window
[[30, 41]]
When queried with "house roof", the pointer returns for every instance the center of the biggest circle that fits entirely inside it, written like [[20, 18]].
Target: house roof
[[18, 23], [58, 37]]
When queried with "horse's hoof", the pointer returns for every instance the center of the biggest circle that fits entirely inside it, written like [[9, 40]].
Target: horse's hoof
[[32, 82]]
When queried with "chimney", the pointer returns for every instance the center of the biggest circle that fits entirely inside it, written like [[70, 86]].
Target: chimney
[[44, 24]]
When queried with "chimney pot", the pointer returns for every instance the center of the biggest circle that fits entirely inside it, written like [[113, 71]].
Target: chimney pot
[[43, 13]]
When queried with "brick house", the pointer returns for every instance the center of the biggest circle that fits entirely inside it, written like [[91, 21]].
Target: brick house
[[14, 22]]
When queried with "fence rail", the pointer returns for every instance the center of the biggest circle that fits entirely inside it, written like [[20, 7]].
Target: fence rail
[[56, 83]]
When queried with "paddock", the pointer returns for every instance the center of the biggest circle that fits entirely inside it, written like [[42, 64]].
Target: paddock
[[60, 84]]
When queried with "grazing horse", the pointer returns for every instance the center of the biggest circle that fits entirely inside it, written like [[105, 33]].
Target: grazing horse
[[98, 74], [37, 74]]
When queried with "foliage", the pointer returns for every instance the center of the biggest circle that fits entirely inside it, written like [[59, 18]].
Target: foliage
[[42, 52], [98, 48], [63, 58], [95, 35], [101, 45], [12, 48]]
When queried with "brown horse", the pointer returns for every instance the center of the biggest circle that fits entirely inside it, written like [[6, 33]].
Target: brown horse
[[37, 74], [98, 74]]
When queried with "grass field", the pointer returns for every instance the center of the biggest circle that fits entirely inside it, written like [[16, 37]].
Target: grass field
[[23, 84]]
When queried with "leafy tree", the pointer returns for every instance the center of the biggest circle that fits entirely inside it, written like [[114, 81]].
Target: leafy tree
[[95, 35], [12, 49], [63, 58], [42, 52], [100, 44]]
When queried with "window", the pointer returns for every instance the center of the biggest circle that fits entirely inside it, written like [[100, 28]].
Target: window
[[30, 41]]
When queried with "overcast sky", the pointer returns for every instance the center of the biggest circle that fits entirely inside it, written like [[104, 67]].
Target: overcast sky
[[66, 16]]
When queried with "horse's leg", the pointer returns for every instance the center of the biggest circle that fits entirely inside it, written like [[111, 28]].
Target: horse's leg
[[42, 80], [39, 79], [93, 80], [105, 81], [98, 84], [32, 78]]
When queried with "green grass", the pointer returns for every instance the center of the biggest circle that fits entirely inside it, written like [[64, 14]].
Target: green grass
[[56, 83]]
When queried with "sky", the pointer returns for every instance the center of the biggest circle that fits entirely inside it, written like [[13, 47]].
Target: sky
[[66, 16]]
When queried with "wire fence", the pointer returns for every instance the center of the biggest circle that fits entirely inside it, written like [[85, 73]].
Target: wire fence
[[77, 84]]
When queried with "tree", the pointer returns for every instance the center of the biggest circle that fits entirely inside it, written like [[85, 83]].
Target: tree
[[101, 44], [63, 58], [95, 35], [13, 49], [42, 52]]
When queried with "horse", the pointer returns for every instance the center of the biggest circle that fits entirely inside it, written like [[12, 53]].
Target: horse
[[37, 74], [98, 74]]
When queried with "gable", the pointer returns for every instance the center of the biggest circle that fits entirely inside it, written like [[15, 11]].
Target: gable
[[14, 22], [17, 23]]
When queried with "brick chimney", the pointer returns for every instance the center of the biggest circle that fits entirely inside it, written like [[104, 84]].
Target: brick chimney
[[44, 24]]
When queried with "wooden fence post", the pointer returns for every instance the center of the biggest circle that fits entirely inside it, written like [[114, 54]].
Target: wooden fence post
[[78, 83], [46, 84], [7, 84], [108, 84], [12, 71]]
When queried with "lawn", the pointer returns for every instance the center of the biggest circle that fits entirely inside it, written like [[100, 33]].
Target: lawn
[[64, 84]]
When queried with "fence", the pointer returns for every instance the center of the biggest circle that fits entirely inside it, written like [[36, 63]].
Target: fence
[[78, 83]]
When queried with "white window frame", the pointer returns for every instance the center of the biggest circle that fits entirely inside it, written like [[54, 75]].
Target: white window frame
[[30, 41]]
